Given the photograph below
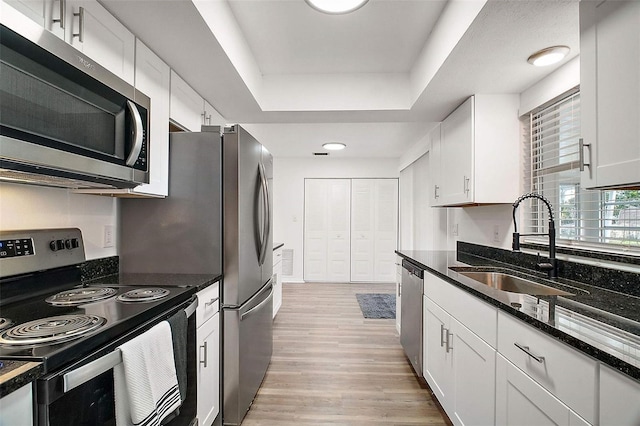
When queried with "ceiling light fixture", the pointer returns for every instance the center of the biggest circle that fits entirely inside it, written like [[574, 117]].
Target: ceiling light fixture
[[548, 56], [336, 7], [334, 146]]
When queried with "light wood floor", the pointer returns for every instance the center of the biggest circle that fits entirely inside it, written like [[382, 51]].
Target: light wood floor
[[332, 366]]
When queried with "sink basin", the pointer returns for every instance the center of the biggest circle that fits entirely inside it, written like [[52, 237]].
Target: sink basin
[[513, 284]]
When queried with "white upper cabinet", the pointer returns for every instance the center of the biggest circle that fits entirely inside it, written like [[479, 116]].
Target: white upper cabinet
[[434, 166], [99, 35], [88, 27], [188, 109], [610, 93], [479, 153], [152, 79]]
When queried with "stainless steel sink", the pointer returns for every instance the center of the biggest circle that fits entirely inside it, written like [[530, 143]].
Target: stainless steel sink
[[513, 284]]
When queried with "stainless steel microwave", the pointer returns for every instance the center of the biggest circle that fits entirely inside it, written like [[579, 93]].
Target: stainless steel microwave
[[65, 120]]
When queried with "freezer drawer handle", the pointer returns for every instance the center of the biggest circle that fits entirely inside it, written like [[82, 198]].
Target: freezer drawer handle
[[257, 307], [526, 350], [89, 371]]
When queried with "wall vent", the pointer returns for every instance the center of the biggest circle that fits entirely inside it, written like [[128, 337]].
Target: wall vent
[[287, 262], [321, 153]]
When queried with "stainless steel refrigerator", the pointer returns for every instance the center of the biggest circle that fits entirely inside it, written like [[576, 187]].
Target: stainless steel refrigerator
[[216, 218]]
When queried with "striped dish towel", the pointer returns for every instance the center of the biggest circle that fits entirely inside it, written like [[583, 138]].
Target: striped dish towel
[[146, 385]]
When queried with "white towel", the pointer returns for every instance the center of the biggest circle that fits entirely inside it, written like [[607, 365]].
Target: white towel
[[146, 385]]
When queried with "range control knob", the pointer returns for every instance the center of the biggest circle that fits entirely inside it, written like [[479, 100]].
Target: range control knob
[[52, 245], [67, 244]]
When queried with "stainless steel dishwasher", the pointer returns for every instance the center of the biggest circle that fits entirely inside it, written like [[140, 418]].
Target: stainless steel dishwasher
[[411, 313]]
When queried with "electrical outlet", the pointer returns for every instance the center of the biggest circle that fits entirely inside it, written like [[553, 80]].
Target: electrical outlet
[[454, 229], [496, 233], [108, 240]]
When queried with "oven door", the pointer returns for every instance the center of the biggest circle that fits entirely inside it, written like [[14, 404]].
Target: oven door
[[83, 393]]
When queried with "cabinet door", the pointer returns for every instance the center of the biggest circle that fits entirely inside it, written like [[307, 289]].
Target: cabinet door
[[101, 37], [208, 336], [435, 157], [212, 117], [610, 92], [437, 361], [399, 294], [616, 393], [152, 79], [521, 401], [457, 155], [17, 407], [474, 367], [186, 107]]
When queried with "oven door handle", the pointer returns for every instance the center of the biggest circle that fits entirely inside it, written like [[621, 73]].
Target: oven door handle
[[83, 374]]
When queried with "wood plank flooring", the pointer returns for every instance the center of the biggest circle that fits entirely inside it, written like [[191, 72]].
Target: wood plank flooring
[[332, 366]]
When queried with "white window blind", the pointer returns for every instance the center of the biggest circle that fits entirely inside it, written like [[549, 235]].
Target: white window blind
[[595, 218]]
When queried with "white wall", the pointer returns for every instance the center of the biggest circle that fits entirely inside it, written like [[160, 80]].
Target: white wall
[[33, 207], [288, 194]]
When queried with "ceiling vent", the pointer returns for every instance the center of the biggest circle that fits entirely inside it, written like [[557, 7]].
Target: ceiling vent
[[321, 153]]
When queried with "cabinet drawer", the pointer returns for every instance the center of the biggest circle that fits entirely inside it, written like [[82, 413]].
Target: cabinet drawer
[[208, 303], [277, 256], [567, 374], [476, 315]]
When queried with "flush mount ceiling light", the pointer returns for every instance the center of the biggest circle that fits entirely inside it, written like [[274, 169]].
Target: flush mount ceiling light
[[336, 7], [334, 146], [548, 56]]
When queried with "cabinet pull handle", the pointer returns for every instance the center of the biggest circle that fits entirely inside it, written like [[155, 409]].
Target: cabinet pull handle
[[581, 146], [448, 346], [435, 191], [80, 33], [211, 302], [442, 329], [466, 184], [526, 350], [63, 8], [203, 360]]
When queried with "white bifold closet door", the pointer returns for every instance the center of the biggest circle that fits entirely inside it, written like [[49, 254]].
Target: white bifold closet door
[[350, 230], [374, 229], [327, 216]]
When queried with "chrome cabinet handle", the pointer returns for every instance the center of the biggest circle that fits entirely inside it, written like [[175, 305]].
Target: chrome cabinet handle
[[435, 191], [526, 350], [466, 184], [63, 8], [211, 302], [448, 346], [80, 33], [442, 330], [204, 360], [581, 146]]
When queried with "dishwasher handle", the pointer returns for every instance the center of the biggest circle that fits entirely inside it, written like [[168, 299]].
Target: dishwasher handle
[[413, 269]]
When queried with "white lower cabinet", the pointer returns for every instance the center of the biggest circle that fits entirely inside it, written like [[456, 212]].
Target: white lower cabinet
[[17, 407], [520, 400], [619, 397], [459, 366], [564, 372], [208, 350], [277, 280], [398, 291]]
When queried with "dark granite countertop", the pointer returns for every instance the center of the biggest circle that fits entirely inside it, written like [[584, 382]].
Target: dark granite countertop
[[276, 246], [15, 374], [197, 281], [590, 321]]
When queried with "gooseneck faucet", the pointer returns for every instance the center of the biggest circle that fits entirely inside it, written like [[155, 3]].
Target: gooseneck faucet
[[552, 266]]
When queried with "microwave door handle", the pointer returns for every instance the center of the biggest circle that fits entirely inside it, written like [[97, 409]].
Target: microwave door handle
[[137, 134]]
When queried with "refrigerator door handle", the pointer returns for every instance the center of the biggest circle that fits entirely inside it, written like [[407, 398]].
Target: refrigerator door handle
[[266, 223], [258, 306]]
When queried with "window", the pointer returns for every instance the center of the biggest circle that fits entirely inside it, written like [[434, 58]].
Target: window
[[608, 217]]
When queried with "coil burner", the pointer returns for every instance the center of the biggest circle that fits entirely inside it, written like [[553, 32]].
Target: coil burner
[[4, 323], [50, 330], [79, 296], [140, 295]]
